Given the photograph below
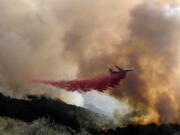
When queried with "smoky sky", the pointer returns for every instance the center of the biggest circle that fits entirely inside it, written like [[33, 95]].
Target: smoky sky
[[53, 39]]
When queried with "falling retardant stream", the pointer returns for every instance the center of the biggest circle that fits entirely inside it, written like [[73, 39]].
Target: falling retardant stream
[[99, 83]]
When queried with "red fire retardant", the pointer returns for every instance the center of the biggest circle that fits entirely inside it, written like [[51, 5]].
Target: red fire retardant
[[99, 83]]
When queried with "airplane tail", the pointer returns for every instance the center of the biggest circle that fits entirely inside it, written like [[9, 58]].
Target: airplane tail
[[110, 70], [120, 69]]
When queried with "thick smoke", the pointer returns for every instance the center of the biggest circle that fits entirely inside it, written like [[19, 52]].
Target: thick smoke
[[59, 39], [151, 47], [154, 32]]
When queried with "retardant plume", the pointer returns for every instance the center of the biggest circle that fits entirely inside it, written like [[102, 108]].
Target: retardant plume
[[98, 83]]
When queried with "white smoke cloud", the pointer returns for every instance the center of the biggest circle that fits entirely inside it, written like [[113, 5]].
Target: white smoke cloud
[[74, 98], [104, 104]]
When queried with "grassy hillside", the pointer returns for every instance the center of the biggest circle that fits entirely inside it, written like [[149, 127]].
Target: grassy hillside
[[9, 126]]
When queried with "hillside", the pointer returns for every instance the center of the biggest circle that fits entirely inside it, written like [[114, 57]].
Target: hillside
[[54, 110], [45, 116]]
